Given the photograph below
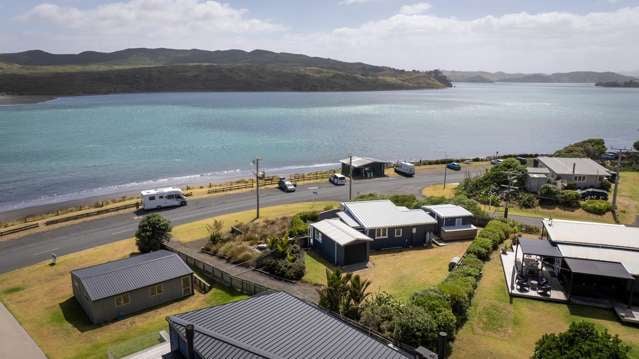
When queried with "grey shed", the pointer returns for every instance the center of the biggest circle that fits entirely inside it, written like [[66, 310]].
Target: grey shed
[[115, 289]]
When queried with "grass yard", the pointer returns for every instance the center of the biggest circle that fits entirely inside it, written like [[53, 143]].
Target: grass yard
[[438, 190], [398, 272], [498, 329], [197, 230], [41, 298]]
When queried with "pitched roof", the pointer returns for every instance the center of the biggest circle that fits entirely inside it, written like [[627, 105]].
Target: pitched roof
[[361, 161], [384, 213], [629, 259], [592, 234], [599, 268], [539, 247], [583, 166], [347, 219], [537, 170], [121, 276], [340, 232], [278, 325], [448, 210]]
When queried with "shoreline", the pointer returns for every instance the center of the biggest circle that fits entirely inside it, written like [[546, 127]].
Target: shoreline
[[11, 100]]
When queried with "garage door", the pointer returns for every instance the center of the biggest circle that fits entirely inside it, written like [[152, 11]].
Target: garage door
[[355, 253]]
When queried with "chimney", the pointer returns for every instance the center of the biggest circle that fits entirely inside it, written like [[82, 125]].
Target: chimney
[[574, 165], [190, 334]]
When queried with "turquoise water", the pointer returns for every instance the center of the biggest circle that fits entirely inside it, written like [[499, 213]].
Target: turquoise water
[[78, 147]]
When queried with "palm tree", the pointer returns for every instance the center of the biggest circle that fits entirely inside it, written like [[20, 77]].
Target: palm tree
[[335, 295], [357, 294]]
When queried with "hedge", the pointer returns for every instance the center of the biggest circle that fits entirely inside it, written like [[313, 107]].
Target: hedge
[[596, 206]]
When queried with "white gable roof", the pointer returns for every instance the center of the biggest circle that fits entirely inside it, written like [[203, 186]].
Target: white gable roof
[[448, 210], [384, 213], [583, 166], [340, 232], [592, 234]]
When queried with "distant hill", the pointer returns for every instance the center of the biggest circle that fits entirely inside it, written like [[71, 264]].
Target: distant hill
[[631, 83], [565, 77], [134, 70]]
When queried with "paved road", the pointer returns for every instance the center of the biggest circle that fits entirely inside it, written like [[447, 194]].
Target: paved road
[[38, 247]]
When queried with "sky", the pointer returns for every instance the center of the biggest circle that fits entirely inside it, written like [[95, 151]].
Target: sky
[[492, 35]]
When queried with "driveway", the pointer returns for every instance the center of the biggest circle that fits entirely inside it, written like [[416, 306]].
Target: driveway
[[15, 343]]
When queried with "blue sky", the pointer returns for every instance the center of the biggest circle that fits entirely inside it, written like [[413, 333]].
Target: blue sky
[[526, 36]]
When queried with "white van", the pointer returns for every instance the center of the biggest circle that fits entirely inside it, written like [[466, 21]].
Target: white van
[[405, 168], [337, 179], [162, 197]]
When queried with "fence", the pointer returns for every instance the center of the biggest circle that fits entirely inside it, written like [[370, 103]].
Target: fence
[[221, 277], [91, 214], [18, 229], [268, 181]]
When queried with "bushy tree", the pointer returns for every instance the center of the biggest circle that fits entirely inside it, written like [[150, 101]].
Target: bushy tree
[[379, 311], [415, 326], [596, 206], [153, 231], [592, 147], [636, 145], [344, 293], [549, 192], [569, 198], [581, 341], [435, 302], [527, 200]]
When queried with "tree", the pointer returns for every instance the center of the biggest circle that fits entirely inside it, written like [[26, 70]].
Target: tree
[[344, 293], [581, 341], [215, 231], [636, 145], [153, 231], [415, 326], [357, 294], [592, 147]]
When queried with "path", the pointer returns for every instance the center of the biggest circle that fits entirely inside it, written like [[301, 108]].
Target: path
[[299, 289], [15, 343]]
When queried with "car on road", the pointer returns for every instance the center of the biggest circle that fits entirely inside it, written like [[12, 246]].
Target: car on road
[[286, 185], [162, 198], [593, 193], [337, 179], [496, 161], [454, 166]]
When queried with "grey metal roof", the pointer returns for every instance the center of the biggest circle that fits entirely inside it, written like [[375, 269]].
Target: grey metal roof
[[629, 259], [384, 213], [347, 219], [537, 170], [121, 276], [583, 166], [606, 269], [361, 161], [340, 232], [448, 210], [278, 325], [592, 234], [539, 247]]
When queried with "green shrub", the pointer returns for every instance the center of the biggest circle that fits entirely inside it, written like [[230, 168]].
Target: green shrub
[[470, 260], [569, 198], [378, 313], [459, 298], [527, 200], [549, 192], [581, 340], [290, 266], [415, 326], [605, 185], [492, 235], [596, 206], [505, 227], [405, 200], [309, 216], [478, 251], [297, 227], [468, 272], [484, 242], [153, 231]]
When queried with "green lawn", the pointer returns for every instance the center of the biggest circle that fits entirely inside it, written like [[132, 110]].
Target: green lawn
[[498, 329], [398, 272], [41, 298]]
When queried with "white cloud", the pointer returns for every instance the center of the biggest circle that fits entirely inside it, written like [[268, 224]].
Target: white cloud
[[411, 39], [414, 9]]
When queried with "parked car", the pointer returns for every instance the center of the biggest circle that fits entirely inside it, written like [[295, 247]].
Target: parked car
[[593, 193], [162, 197], [337, 179], [454, 166], [496, 161], [286, 185], [609, 156], [405, 168], [522, 160]]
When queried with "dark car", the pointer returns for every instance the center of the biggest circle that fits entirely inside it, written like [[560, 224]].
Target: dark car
[[454, 166], [593, 193], [609, 156]]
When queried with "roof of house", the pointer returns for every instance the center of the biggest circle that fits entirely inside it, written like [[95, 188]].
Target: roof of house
[[564, 165], [361, 161], [537, 170], [629, 259], [347, 219], [384, 213], [599, 268], [278, 325], [124, 275], [340, 232], [448, 210], [592, 234], [539, 248]]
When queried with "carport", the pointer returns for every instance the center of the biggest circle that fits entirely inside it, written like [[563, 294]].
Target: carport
[[599, 279]]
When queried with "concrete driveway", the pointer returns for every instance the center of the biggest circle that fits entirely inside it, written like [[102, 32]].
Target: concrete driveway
[[15, 343]]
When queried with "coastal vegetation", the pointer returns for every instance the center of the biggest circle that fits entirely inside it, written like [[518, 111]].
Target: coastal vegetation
[[562, 77], [592, 148], [153, 231], [162, 70]]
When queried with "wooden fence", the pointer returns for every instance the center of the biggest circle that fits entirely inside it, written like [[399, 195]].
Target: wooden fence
[[221, 277], [91, 214], [268, 181]]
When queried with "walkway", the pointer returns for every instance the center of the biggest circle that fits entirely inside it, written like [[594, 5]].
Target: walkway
[[15, 343], [299, 289]]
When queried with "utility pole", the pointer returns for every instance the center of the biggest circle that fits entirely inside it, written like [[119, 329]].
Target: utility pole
[[509, 188], [620, 152], [350, 177], [256, 162], [445, 173]]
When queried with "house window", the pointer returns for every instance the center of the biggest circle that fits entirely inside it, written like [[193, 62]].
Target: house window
[[152, 198], [122, 299], [398, 232], [157, 289], [186, 285], [381, 232], [318, 236]]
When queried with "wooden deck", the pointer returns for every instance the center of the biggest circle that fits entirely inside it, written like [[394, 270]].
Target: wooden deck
[[627, 315], [557, 293]]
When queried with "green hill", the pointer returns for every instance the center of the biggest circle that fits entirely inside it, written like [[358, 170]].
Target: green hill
[[146, 70]]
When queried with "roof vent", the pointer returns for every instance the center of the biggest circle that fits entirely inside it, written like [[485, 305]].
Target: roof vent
[[550, 222]]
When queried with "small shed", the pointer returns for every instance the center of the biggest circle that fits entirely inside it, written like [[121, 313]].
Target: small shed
[[339, 243], [116, 289], [363, 167], [453, 222]]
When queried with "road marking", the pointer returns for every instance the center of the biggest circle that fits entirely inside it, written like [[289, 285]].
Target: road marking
[[47, 251], [120, 232]]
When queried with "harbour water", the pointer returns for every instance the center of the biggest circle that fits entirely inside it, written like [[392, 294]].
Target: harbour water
[[78, 147]]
